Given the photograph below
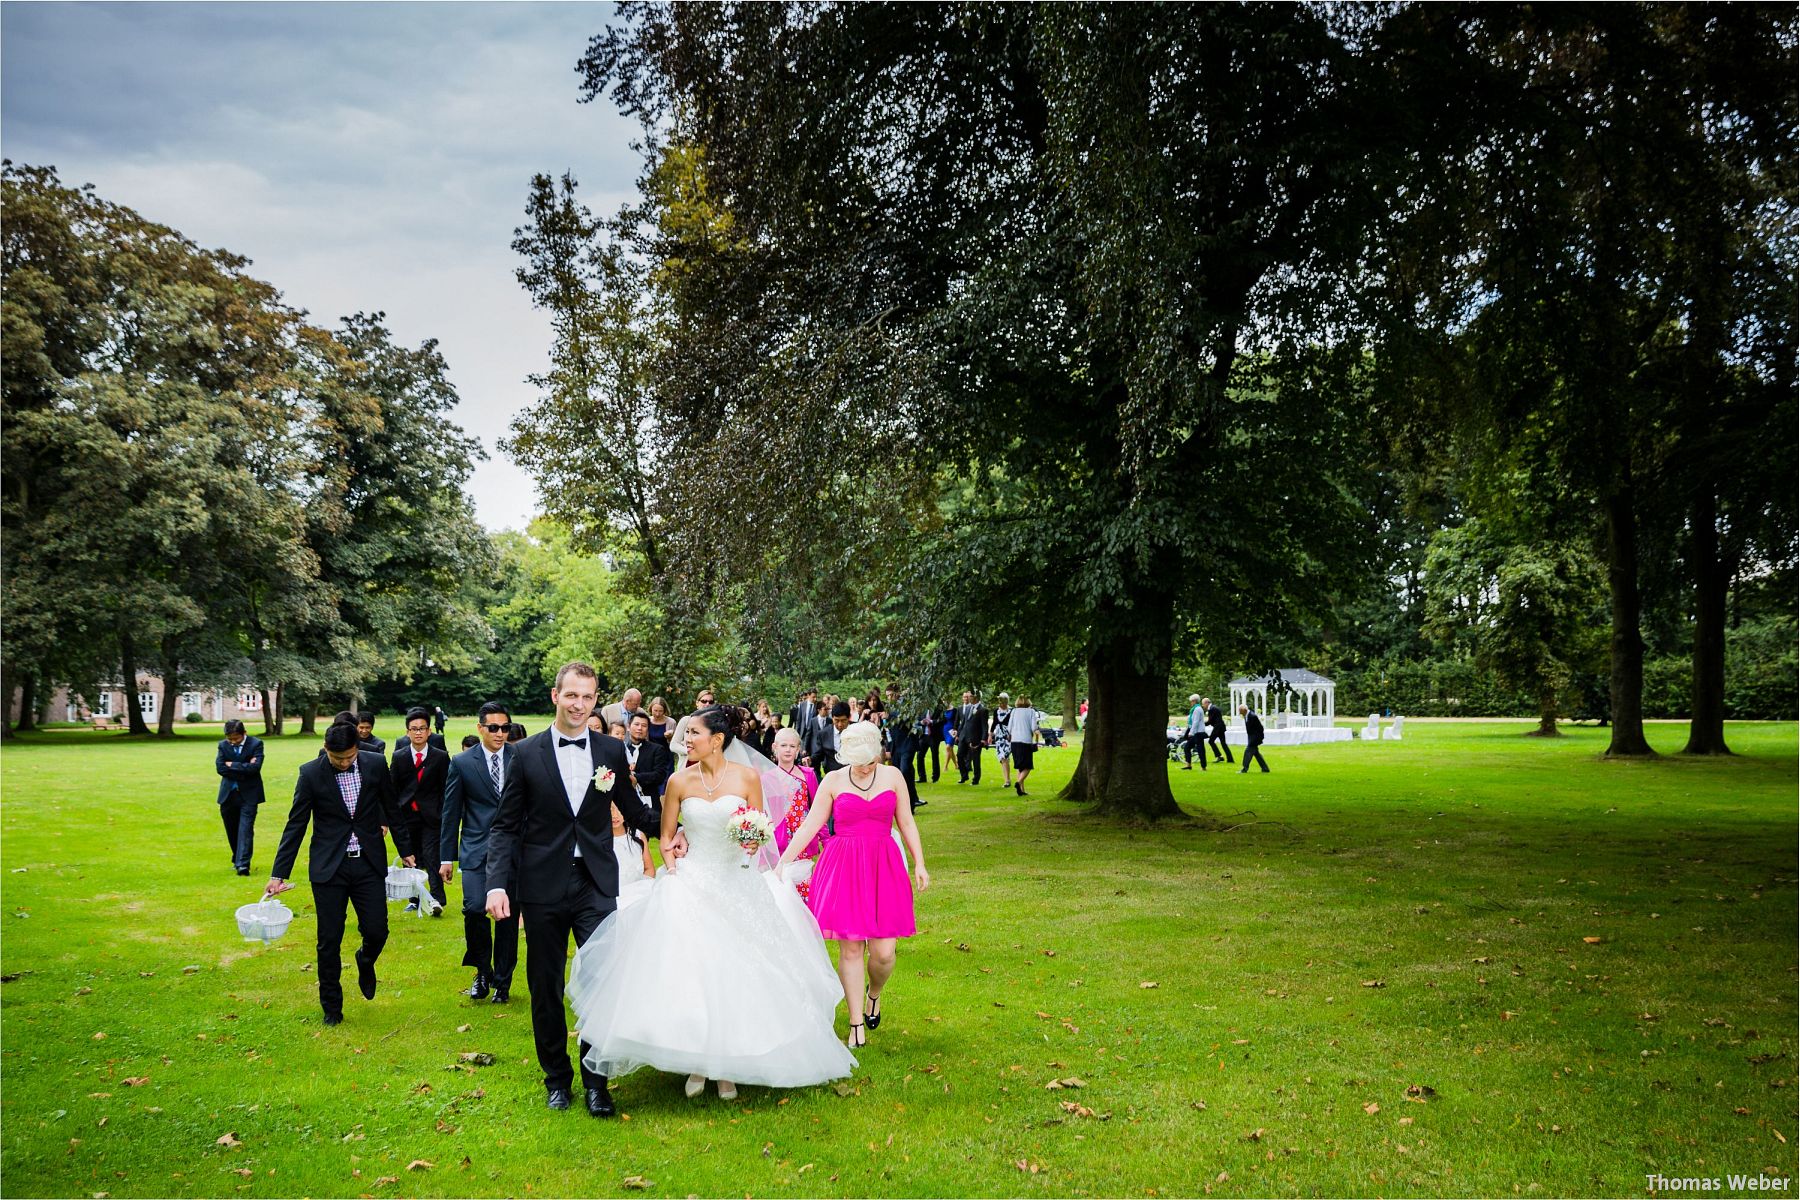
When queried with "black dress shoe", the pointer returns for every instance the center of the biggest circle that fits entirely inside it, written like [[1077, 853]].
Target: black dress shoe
[[600, 1102], [334, 1018], [365, 978], [502, 994], [557, 1098], [243, 870], [479, 989]]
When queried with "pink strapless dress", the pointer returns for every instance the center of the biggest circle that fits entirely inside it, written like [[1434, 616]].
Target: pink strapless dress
[[860, 889]]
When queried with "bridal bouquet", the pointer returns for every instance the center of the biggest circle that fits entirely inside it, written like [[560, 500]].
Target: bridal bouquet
[[751, 829]]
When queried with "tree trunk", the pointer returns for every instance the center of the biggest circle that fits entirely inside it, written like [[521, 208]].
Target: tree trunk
[[134, 711], [278, 695], [309, 717], [28, 702], [1706, 713], [1071, 706], [171, 692], [1547, 709], [268, 712], [1627, 651], [1124, 766]]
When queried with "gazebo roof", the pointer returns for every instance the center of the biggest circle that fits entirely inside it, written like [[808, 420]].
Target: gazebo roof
[[1293, 676]]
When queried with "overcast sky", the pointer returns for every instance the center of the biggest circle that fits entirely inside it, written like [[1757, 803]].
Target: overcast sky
[[365, 156]]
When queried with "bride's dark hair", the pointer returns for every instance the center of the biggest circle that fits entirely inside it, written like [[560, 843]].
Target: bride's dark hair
[[722, 718]]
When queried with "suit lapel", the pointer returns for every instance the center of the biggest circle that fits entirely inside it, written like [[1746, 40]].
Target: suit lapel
[[555, 768]]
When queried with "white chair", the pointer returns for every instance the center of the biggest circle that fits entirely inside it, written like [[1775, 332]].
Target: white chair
[[1372, 731], [1392, 732]]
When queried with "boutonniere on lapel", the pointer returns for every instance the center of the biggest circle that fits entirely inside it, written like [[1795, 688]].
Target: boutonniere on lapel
[[603, 780]]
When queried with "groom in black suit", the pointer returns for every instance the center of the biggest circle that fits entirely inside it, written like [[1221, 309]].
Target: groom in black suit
[[551, 846], [348, 797]]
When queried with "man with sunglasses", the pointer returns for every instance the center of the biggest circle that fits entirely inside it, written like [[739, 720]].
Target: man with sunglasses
[[471, 799]]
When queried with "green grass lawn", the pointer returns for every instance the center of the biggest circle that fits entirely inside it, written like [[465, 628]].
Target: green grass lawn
[[1588, 966]]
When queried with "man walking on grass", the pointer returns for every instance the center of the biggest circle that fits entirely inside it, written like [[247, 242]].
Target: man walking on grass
[[1253, 737]]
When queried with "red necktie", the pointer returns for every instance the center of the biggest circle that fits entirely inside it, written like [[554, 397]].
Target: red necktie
[[419, 762]]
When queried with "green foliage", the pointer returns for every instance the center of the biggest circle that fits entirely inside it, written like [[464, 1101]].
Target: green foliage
[[200, 483]]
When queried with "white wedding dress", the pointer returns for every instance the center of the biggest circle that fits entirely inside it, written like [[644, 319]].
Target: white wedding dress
[[719, 971]]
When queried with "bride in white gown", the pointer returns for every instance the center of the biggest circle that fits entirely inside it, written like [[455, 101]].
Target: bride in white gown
[[720, 972]]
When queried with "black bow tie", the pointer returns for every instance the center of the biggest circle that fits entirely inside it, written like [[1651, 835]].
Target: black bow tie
[[563, 741]]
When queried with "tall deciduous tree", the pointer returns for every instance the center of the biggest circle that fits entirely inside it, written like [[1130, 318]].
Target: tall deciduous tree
[[1063, 279]]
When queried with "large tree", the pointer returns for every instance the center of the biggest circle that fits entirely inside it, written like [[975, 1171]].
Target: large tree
[[1058, 281]]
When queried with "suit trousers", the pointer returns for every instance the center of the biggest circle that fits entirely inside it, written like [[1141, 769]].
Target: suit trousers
[[1194, 740], [425, 828], [921, 751], [491, 947], [1254, 752], [360, 883], [547, 928], [903, 758], [968, 761], [1217, 739], [240, 828]]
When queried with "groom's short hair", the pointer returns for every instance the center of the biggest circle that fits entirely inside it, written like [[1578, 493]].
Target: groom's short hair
[[580, 669]]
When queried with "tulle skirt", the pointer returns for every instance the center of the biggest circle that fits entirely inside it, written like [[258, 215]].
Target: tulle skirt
[[717, 971]]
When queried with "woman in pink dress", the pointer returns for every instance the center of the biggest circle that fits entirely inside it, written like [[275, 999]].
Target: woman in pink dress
[[860, 893], [788, 791]]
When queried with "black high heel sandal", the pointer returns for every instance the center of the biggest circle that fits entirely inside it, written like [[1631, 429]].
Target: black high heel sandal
[[872, 1019], [856, 1039]]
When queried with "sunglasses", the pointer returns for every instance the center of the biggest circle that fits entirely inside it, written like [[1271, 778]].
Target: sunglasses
[[495, 728]]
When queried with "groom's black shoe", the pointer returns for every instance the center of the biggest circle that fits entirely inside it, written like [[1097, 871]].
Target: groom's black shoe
[[502, 994], [557, 1098], [365, 977], [600, 1102], [479, 989], [332, 1018]]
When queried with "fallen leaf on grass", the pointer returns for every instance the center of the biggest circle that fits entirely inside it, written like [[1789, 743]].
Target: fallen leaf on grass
[[464, 1028], [1593, 941], [843, 1089], [1043, 1016], [1147, 984], [1419, 1093], [229, 1141], [1255, 1135], [84, 991], [99, 1037], [638, 1183], [1507, 1016], [1371, 1108], [1071, 1082], [419, 1164], [137, 1081], [99, 1095], [1030, 1168], [1222, 1177], [479, 1057], [1406, 1120], [387, 1179]]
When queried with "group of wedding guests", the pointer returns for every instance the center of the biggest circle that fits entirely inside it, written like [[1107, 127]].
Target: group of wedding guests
[[552, 834]]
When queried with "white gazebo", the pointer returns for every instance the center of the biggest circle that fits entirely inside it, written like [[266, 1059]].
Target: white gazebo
[[1302, 712]]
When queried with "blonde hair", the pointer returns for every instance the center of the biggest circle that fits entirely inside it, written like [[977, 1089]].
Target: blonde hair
[[786, 734], [859, 745], [655, 702]]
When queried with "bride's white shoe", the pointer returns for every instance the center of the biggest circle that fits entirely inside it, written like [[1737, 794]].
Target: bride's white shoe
[[695, 1085], [727, 1090]]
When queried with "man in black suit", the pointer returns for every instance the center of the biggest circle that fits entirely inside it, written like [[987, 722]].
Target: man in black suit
[[650, 762], [472, 790], [365, 730], [900, 745], [1215, 724], [971, 736], [551, 845], [823, 749], [931, 736], [419, 771], [806, 708], [348, 797], [1253, 737], [239, 764]]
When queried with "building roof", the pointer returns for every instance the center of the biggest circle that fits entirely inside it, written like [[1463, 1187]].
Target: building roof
[[1294, 676]]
